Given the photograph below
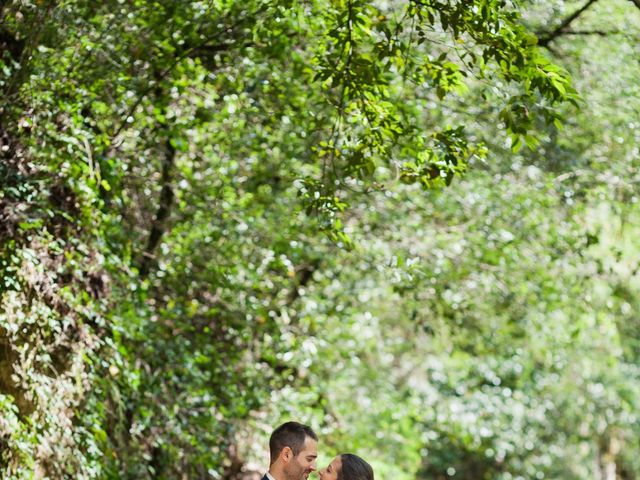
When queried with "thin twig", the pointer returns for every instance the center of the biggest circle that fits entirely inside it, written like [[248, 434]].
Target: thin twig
[[546, 38]]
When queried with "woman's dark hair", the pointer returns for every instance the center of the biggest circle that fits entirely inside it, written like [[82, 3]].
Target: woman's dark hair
[[354, 468]]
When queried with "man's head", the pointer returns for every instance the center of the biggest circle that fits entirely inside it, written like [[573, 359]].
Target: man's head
[[294, 449]]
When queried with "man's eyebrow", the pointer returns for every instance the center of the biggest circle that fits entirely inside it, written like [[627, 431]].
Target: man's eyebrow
[[312, 456]]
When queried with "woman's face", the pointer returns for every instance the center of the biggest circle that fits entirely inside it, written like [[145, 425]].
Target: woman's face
[[330, 472]]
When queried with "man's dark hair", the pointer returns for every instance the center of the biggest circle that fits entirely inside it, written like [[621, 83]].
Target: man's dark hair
[[292, 435], [354, 468]]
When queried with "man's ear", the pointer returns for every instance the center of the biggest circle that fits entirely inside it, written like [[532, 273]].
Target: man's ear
[[287, 454]]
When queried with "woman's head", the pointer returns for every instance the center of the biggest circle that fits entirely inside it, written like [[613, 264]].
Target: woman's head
[[347, 466]]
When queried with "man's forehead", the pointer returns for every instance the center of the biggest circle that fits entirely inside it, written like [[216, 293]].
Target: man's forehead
[[310, 447]]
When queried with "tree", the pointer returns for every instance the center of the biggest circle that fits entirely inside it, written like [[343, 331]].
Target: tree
[[156, 156]]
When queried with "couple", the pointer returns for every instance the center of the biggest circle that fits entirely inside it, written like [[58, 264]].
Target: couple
[[294, 449]]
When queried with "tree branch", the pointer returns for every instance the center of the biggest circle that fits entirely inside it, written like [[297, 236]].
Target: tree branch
[[545, 38], [158, 226], [304, 273], [600, 33]]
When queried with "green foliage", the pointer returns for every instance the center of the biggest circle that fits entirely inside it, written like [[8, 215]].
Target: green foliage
[[216, 215]]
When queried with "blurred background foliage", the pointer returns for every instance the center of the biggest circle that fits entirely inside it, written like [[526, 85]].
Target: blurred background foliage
[[400, 222]]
